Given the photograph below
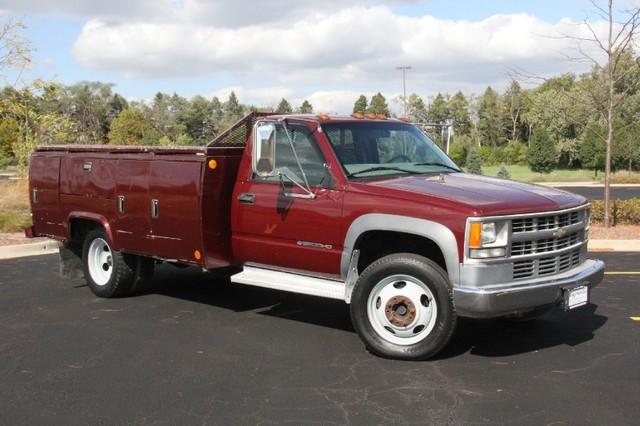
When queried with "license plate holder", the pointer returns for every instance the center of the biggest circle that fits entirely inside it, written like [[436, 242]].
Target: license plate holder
[[575, 297]]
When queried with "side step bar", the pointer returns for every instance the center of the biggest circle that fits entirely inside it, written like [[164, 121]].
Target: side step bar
[[287, 281]]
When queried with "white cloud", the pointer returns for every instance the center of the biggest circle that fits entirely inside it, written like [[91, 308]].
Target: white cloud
[[295, 49]]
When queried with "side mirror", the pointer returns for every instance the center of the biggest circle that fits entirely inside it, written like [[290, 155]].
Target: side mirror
[[264, 150]]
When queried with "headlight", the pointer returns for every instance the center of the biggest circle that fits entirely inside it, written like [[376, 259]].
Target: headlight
[[487, 239]]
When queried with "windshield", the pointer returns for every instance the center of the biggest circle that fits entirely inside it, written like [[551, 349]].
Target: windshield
[[368, 149]]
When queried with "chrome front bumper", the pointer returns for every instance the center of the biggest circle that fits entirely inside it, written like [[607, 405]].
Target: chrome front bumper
[[502, 299]]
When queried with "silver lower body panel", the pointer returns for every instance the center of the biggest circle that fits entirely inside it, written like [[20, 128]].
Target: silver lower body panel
[[503, 299]]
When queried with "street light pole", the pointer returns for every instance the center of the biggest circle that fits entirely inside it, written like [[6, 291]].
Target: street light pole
[[404, 68]]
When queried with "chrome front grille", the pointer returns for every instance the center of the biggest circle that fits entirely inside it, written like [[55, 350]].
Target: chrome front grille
[[543, 266], [547, 244], [523, 248], [544, 223]]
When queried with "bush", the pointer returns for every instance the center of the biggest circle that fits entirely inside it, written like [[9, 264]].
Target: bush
[[635, 178], [458, 153], [503, 173], [473, 162], [515, 153], [622, 212]]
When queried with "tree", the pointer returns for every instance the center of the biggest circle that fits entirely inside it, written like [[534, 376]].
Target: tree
[[438, 110], [542, 155], [458, 107], [378, 105], [417, 109], [503, 173], [15, 48], [361, 105], [473, 162], [9, 135], [284, 107], [513, 105], [622, 29], [306, 107], [593, 148], [131, 127], [490, 118]]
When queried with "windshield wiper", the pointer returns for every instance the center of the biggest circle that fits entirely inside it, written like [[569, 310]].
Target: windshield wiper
[[382, 168], [438, 164]]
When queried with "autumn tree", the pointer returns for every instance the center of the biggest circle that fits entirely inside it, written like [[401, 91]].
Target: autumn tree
[[132, 127]]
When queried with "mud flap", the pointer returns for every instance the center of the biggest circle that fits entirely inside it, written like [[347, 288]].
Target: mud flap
[[71, 261]]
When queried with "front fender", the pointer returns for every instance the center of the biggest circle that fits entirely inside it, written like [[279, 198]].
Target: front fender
[[442, 236]]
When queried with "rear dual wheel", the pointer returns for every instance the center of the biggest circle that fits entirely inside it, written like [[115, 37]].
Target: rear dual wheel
[[402, 307], [110, 273]]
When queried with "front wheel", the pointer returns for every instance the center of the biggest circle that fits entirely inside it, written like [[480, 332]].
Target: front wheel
[[402, 307]]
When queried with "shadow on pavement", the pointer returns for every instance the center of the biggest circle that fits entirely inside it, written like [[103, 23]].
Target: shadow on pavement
[[488, 338], [499, 337]]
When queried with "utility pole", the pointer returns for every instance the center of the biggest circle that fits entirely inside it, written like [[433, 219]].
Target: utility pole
[[404, 69]]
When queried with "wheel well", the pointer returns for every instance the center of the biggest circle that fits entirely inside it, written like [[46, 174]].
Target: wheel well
[[79, 228], [374, 245]]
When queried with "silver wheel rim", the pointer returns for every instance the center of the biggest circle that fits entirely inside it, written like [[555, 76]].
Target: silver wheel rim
[[100, 261], [402, 309]]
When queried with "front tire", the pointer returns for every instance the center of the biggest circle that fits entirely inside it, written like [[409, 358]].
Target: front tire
[[109, 273], [402, 307]]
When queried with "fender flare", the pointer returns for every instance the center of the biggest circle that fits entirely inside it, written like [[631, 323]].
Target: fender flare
[[93, 217], [441, 235]]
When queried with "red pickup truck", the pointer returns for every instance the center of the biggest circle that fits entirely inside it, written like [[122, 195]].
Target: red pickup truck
[[364, 209]]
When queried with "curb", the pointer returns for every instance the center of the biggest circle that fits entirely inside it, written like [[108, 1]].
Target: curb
[[31, 249], [588, 184], [614, 245]]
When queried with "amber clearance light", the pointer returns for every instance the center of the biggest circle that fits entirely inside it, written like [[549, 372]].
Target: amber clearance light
[[475, 235]]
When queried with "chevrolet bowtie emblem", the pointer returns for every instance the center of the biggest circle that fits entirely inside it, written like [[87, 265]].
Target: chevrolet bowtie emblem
[[559, 233]]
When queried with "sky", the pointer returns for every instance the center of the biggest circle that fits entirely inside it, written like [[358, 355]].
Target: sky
[[328, 51]]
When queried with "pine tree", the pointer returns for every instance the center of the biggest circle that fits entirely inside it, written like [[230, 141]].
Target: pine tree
[[503, 173], [542, 153], [360, 105], [378, 105], [473, 162], [306, 107], [284, 107]]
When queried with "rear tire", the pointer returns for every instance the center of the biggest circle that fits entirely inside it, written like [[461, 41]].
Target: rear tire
[[402, 307], [110, 273]]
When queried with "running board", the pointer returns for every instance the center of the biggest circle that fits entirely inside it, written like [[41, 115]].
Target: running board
[[287, 281]]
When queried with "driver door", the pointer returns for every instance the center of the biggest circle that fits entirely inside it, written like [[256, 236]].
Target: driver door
[[273, 228]]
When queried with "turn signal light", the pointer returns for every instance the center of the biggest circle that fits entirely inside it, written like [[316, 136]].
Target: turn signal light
[[358, 115], [475, 235], [213, 164], [381, 116], [323, 117]]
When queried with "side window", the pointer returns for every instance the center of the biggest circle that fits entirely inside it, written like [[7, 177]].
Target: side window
[[309, 154]]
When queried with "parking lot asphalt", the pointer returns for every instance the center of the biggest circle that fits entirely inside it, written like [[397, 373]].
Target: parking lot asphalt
[[199, 350]]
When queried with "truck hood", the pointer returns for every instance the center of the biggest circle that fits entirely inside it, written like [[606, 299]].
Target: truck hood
[[487, 196]]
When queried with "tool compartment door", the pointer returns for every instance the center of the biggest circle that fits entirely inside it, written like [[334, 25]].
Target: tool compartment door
[[174, 209]]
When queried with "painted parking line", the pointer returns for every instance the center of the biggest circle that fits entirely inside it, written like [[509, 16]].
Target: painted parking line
[[622, 273], [635, 318]]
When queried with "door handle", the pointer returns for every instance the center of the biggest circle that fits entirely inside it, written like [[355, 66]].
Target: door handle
[[246, 198]]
